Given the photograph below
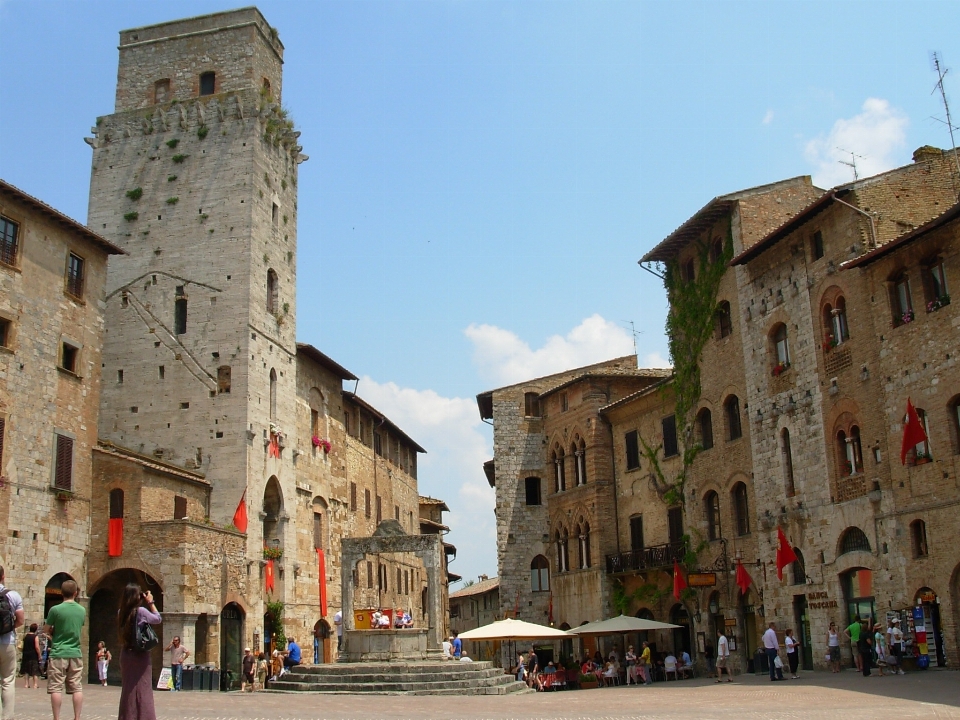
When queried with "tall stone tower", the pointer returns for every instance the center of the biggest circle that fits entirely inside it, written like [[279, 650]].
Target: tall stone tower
[[195, 176]]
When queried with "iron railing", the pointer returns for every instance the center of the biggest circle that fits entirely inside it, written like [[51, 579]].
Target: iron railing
[[655, 556]]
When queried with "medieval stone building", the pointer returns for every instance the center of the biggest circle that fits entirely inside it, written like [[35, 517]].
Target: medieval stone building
[[215, 460]]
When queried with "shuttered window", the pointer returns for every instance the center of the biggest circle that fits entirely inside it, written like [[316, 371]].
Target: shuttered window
[[179, 507], [63, 474], [3, 432], [116, 504]]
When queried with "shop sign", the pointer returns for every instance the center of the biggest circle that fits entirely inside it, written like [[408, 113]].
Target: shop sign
[[821, 600], [730, 622], [928, 597], [702, 579]]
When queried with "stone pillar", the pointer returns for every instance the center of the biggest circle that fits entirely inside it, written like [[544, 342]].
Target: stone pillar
[[347, 564]]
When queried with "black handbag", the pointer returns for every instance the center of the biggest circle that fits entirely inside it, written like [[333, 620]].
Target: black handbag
[[145, 638]]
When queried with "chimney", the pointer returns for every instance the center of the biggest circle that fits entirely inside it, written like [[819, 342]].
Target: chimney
[[927, 152], [483, 577]]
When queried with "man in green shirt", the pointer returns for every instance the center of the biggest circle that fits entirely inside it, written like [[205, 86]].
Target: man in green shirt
[[65, 667], [853, 635]]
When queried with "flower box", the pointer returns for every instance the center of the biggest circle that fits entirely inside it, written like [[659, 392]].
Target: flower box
[[319, 442], [780, 368], [272, 553], [940, 302]]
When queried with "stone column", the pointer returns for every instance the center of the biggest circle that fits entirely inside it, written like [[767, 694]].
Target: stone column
[[347, 564]]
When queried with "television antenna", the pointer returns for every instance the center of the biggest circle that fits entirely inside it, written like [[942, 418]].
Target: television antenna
[[852, 162], [941, 74], [633, 331]]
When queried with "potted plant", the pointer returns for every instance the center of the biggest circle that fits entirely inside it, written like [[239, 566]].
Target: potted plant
[[922, 458], [907, 317], [829, 342], [780, 368], [272, 553], [940, 302], [588, 681], [847, 467], [64, 495], [322, 443]]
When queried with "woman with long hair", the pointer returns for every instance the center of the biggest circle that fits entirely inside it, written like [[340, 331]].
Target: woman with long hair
[[103, 662], [136, 673], [30, 660]]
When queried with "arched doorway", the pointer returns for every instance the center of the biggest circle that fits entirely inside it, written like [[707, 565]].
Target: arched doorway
[[231, 644], [926, 599], [104, 606], [52, 595], [321, 641], [748, 647], [681, 635]]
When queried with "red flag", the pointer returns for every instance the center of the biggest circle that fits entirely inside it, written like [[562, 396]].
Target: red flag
[[913, 432], [679, 583], [268, 576], [240, 516], [785, 553], [322, 574], [115, 537], [744, 581], [550, 612]]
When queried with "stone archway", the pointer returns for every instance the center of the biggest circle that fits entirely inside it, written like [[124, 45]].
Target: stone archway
[[104, 606]]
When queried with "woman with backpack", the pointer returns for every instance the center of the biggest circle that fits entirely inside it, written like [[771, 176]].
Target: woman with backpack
[[137, 610]]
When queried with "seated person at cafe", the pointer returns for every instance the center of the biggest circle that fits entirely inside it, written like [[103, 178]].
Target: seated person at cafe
[[685, 666], [670, 665]]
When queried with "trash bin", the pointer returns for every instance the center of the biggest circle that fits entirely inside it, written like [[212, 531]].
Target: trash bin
[[186, 680], [200, 677], [213, 680], [760, 664]]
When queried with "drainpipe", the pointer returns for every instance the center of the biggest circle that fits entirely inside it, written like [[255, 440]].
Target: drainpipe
[[873, 227]]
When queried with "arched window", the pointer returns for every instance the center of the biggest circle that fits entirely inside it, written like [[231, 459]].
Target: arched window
[[716, 249], [900, 300], [539, 574], [723, 320], [781, 348], [731, 409], [560, 471], [849, 452], [786, 454], [579, 451], [838, 320], [273, 291], [532, 486], [273, 394], [741, 510], [583, 535], [918, 537], [563, 553], [711, 505], [853, 540], [705, 428], [799, 569]]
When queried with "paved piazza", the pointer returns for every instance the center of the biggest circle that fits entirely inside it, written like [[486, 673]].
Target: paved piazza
[[931, 695]]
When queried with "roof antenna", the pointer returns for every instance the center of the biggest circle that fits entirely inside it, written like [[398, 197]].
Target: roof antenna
[[633, 331], [852, 164], [941, 74]]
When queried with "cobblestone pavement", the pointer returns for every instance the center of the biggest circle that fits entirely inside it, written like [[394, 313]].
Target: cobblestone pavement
[[933, 695]]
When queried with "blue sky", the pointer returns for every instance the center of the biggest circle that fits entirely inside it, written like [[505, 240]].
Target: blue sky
[[483, 176]]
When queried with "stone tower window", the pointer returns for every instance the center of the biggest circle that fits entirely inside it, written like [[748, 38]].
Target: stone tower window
[[532, 487], [9, 241], [180, 312], [531, 404], [705, 428], [935, 284], [161, 91], [540, 574], [781, 346], [560, 475], [786, 453], [223, 379], [716, 249], [669, 427], [853, 540], [116, 504], [63, 463], [849, 451], [723, 321], [636, 533], [208, 83], [918, 537], [900, 301], [6, 332], [583, 533], [273, 394], [711, 505], [816, 245], [69, 355], [631, 441], [266, 86], [563, 553], [273, 291], [799, 568], [580, 461], [75, 275], [835, 323]]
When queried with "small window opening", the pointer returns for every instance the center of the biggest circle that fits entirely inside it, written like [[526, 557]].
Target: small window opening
[[5, 332], [223, 379], [208, 83], [816, 245], [75, 275], [161, 91], [68, 357], [179, 508]]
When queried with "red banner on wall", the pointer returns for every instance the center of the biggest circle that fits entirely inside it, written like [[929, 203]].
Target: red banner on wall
[[322, 574], [115, 537], [268, 576]]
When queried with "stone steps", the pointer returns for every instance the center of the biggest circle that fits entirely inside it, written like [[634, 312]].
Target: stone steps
[[416, 678]]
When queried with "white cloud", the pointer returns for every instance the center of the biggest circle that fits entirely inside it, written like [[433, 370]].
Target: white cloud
[[655, 360], [457, 444], [876, 134], [502, 358], [768, 118]]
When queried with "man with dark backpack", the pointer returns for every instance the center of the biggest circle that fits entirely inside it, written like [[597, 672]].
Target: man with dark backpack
[[11, 617]]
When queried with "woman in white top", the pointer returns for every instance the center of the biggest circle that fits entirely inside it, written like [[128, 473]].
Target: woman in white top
[[896, 644], [833, 647], [880, 645], [793, 653]]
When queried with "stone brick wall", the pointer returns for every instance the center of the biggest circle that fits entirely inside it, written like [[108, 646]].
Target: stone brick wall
[[44, 536]]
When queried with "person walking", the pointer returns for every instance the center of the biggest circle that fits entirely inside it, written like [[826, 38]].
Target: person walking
[[896, 645], [30, 658], [261, 671], [833, 647], [178, 653], [103, 662], [11, 617], [723, 656], [65, 666], [136, 671], [247, 670], [771, 644], [793, 653]]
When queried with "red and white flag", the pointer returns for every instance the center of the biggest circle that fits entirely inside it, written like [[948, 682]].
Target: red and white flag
[[785, 553], [744, 581], [679, 582], [913, 432]]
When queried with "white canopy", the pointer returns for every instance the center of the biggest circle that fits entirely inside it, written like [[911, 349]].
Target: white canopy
[[511, 629], [620, 625]]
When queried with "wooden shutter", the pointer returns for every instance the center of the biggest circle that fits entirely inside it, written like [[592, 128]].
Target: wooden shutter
[[63, 475], [179, 507], [3, 432]]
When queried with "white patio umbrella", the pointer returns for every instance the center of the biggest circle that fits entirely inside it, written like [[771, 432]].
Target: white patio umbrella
[[511, 629], [621, 625]]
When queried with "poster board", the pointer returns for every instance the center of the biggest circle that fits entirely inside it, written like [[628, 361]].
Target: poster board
[[165, 682]]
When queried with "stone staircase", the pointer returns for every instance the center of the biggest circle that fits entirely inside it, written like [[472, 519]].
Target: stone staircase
[[405, 678]]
